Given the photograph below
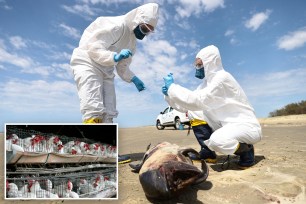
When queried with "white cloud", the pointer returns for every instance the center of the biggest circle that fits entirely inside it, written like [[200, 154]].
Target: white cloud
[[83, 10], [4, 5], [37, 95], [41, 44], [231, 35], [257, 20], [284, 83], [155, 48], [211, 5], [193, 44], [27, 65], [234, 41], [292, 40], [241, 63], [188, 8], [14, 59], [88, 9], [162, 20], [70, 31], [62, 56], [63, 70], [108, 2], [17, 42], [229, 32], [41, 70]]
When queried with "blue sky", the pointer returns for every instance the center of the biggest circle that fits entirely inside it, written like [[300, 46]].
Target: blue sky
[[262, 44]]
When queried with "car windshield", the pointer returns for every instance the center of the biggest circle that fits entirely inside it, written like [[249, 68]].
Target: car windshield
[[165, 111]]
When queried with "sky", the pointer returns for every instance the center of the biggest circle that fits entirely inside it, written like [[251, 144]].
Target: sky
[[262, 44]]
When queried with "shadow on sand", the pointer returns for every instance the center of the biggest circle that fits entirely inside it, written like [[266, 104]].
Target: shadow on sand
[[223, 163]]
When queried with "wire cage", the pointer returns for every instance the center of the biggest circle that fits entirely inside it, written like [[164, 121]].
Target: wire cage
[[39, 183], [28, 140]]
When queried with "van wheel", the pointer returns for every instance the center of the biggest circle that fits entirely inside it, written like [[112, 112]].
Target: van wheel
[[177, 123], [159, 126]]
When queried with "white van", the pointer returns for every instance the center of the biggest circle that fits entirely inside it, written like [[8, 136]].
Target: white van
[[171, 117]]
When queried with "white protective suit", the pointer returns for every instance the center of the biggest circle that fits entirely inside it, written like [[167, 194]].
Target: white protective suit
[[224, 104], [93, 62]]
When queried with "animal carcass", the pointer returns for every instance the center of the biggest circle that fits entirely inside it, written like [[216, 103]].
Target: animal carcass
[[166, 170]]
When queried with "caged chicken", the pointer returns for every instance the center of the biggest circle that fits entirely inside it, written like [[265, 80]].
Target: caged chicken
[[58, 180]]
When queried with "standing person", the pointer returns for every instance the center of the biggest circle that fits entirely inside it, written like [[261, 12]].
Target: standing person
[[224, 105], [109, 43]]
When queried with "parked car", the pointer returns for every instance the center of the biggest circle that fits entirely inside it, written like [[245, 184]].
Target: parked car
[[171, 117]]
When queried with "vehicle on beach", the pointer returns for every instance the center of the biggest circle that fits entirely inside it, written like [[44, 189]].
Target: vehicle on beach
[[171, 118]]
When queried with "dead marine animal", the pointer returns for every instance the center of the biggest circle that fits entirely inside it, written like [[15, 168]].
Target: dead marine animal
[[166, 170]]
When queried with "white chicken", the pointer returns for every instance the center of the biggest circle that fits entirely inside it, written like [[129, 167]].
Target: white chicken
[[84, 147], [53, 143], [12, 190], [103, 150], [18, 148], [112, 151], [33, 143], [62, 190], [46, 184], [39, 143], [99, 183], [25, 192], [85, 187], [74, 150], [41, 193], [11, 139], [26, 143], [60, 149], [72, 147], [94, 149], [71, 193]]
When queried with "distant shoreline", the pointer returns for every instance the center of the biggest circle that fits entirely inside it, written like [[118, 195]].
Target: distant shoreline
[[284, 120]]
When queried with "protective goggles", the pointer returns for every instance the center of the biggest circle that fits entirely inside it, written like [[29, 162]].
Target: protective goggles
[[145, 29]]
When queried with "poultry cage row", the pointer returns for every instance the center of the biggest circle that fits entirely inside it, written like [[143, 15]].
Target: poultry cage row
[[35, 183], [30, 146]]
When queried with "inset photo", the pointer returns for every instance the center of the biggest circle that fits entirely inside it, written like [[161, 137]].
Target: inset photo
[[61, 161]]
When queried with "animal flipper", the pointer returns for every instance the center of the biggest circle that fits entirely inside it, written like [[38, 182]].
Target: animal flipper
[[204, 166]]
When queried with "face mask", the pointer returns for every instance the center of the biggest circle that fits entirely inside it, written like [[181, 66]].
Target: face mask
[[138, 34], [200, 73]]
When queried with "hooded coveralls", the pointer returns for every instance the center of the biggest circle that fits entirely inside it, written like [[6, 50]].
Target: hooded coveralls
[[224, 104], [93, 62]]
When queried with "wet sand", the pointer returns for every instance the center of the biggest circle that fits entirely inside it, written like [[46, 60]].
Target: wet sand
[[279, 175]]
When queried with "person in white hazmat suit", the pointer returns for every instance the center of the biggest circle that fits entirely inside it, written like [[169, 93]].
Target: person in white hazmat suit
[[109, 43], [224, 104]]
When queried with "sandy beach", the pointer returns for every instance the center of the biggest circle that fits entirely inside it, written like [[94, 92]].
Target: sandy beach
[[279, 175]]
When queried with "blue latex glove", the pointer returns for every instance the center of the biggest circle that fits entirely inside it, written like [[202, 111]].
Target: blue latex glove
[[138, 83], [200, 73], [124, 53], [165, 90], [168, 80]]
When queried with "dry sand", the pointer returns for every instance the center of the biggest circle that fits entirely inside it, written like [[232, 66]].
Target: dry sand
[[279, 175]]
